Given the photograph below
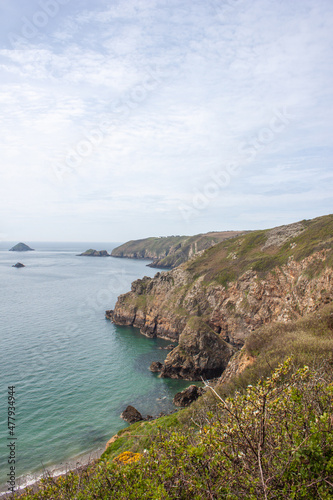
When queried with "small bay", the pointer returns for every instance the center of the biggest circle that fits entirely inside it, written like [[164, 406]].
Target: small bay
[[73, 371]]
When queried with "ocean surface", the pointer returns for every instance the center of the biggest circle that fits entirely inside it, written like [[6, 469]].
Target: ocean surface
[[74, 372]]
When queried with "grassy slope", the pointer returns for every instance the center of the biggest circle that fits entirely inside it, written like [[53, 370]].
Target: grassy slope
[[230, 259]]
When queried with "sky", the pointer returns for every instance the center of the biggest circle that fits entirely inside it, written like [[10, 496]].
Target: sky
[[127, 119]]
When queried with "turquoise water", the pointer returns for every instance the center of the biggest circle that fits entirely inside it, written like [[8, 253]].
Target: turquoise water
[[74, 371]]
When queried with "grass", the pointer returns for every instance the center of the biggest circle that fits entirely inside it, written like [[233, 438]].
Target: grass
[[139, 436]]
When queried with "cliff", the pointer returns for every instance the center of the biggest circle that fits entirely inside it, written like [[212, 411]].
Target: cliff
[[214, 301], [170, 251]]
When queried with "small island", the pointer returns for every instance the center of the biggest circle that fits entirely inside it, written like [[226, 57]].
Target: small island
[[18, 265], [94, 253], [21, 247]]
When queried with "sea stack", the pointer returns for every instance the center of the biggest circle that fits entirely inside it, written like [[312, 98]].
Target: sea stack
[[21, 247]]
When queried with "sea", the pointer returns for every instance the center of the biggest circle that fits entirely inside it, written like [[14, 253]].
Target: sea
[[73, 371]]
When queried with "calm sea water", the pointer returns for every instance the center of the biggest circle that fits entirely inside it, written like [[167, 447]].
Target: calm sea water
[[74, 371]]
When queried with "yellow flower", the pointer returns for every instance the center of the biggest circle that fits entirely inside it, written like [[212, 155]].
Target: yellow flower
[[127, 457]]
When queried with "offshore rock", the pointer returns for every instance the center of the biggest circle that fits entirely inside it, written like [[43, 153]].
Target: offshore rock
[[187, 396], [94, 253], [131, 415], [18, 265], [21, 247]]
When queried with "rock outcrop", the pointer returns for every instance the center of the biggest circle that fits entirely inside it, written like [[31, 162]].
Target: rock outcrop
[[211, 303], [188, 396], [94, 253], [201, 353], [156, 366], [21, 247]]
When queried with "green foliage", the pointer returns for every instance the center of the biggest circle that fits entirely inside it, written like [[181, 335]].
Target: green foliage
[[139, 436]]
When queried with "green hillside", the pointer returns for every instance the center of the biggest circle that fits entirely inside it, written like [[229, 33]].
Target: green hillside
[[170, 251], [261, 251]]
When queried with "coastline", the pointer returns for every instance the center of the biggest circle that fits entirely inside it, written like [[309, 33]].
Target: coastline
[[57, 470]]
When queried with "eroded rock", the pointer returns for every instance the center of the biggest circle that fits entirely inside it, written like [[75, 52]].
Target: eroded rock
[[156, 367]]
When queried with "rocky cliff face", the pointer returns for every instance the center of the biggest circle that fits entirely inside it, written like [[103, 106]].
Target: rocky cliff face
[[212, 303]]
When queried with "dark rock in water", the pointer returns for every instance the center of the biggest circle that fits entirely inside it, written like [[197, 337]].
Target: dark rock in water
[[18, 265], [94, 253], [187, 396], [156, 367], [21, 247], [131, 415]]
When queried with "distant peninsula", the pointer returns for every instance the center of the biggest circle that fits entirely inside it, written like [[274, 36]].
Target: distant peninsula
[[21, 247], [168, 252], [94, 253]]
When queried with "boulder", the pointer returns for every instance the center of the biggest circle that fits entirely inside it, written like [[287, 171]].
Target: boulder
[[131, 415], [187, 396]]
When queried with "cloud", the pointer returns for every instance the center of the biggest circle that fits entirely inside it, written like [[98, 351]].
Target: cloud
[[144, 100]]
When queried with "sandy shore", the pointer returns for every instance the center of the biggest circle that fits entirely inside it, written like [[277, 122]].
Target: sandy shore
[[31, 480]]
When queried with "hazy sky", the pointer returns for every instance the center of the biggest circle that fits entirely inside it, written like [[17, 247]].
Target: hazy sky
[[126, 119]]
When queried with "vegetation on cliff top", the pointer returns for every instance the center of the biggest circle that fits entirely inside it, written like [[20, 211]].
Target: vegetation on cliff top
[[262, 251]]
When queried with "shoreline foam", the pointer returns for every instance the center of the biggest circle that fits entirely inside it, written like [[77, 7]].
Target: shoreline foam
[[55, 471]]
